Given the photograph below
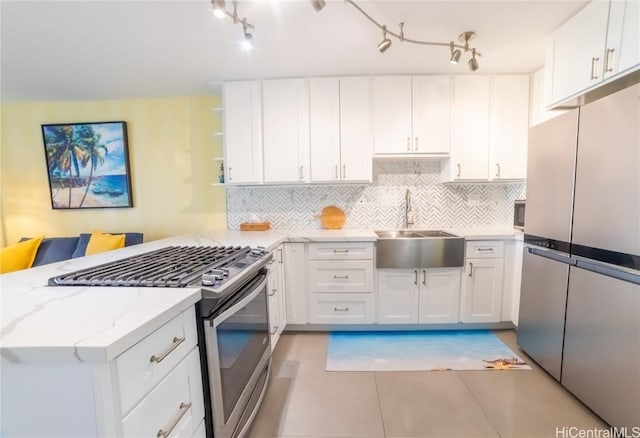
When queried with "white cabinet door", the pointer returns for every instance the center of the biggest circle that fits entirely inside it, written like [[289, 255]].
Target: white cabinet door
[[470, 141], [355, 129], [295, 282], [273, 304], [623, 37], [242, 132], [324, 125], [439, 295], [340, 129], [576, 51], [482, 290], [392, 114], [285, 118], [431, 116], [398, 295], [509, 127]]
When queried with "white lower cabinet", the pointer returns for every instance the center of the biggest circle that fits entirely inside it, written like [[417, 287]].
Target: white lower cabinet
[[295, 283], [152, 389], [276, 300], [340, 283], [407, 296], [342, 308], [482, 287]]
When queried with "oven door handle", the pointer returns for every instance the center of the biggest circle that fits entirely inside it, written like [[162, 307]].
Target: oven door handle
[[218, 318]]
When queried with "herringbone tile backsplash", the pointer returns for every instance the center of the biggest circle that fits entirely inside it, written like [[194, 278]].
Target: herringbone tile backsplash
[[381, 203]]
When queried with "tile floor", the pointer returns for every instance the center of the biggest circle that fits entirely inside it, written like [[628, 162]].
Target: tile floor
[[305, 401]]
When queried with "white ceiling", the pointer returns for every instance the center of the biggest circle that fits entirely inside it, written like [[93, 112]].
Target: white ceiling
[[79, 50]]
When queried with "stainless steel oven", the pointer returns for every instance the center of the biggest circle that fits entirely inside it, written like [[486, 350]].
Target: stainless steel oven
[[237, 349]]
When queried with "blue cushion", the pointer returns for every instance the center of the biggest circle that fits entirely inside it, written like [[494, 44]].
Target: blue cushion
[[83, 241], [54, 249]]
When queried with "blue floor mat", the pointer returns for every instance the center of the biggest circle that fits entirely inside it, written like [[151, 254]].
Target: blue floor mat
[[420, 351]]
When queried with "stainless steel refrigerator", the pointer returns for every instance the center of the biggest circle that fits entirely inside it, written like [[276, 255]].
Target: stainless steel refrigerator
[[580, 296]]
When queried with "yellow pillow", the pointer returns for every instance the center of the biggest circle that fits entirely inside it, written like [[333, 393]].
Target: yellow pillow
[[99, 242], [19, 256]]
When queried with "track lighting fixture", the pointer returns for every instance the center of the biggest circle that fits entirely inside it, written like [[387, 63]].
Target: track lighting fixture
[[386, 42], [455, 54], [455, 49], [247, 41], [218, 8], [220, 11], [318, 4], [473, 62]]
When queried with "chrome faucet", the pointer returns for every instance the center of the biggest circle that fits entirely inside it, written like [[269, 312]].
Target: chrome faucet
[[408, 209]]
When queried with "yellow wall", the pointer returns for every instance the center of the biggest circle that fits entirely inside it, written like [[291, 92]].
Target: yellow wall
[[171, 152]]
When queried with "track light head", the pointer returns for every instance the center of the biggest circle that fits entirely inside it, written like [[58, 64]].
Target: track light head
[[247, 39], [318, 4], [386, 42], [218, 8], [455, 54], [473, 62]]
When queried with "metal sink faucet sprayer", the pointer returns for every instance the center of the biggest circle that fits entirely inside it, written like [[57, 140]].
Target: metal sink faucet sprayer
[[408, 209]]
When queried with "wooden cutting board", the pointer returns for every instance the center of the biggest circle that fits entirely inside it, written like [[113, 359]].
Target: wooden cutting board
[[254, 226], [332, 217]]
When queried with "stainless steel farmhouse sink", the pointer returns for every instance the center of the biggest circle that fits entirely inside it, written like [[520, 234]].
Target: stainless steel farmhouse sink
[[405, 249]]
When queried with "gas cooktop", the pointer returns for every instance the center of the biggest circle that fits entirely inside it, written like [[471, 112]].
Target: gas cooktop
[[174, 266]]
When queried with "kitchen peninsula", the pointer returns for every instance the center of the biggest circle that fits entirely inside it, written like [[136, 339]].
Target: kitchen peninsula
[[78, 356]]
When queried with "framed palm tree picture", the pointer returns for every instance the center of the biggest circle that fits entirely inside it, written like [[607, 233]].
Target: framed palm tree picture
[[88, 165]]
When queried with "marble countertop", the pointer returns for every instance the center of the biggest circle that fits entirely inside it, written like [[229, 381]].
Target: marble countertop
[[41, 324]]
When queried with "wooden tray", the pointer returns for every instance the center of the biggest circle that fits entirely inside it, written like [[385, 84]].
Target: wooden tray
[[254, 226]]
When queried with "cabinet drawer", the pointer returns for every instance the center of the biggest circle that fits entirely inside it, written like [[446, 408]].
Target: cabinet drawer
[[341, 251], [340, 277], [485, 249], [138, 373], [177, 400], [341, 308]]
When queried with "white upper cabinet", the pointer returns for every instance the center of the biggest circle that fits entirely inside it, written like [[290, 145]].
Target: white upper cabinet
[[355, 129], [411, 115], [600, 42], [623, 37], [470, 139], [489, 129], [242, 132], [509, 127], [340, 129], [431, 121], [286, 130]]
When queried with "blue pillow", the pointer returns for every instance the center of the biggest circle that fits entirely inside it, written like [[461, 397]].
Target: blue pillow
[[83, 241], [54, 249]]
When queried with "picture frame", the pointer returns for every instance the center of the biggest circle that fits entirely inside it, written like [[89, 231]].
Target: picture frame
[[88, 165]]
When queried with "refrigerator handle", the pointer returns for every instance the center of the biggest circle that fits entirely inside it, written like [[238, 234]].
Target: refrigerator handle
[[551, 254]]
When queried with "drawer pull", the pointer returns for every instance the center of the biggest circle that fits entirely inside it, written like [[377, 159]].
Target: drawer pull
[[471, 270], [484, 249], [594, 63], [341, 251], [424, 277], [340, 309], [274, 330], [415, 280], [273, 292], [184, 407], [341, 276], [176, 342]]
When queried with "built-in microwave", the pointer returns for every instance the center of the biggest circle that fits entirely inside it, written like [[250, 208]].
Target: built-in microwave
[[518, 214]]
